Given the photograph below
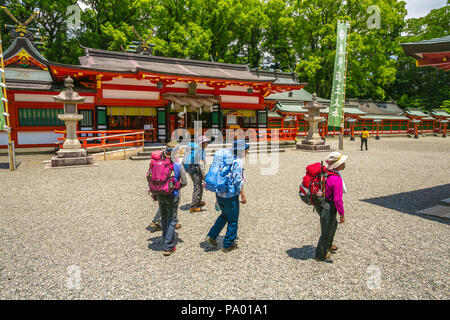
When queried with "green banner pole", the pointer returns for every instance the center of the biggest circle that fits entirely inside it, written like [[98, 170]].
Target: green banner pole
[[336, 110]]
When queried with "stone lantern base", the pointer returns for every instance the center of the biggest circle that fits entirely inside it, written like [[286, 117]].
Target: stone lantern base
[[313, 145], [71, 157]]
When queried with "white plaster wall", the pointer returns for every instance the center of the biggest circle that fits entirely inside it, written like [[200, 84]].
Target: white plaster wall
[[3, 139], [130, 82], [42, 97], [239, 99], [130, 94], [37, 137]]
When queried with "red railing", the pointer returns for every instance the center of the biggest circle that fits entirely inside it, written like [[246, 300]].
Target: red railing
[[263, 134], [107, 138], [282, 134]]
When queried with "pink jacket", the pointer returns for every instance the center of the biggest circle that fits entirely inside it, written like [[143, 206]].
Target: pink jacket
[[333, 191]]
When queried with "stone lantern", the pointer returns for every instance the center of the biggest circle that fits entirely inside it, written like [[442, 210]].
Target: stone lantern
[[70, 99], [313, 140], [71, 154]]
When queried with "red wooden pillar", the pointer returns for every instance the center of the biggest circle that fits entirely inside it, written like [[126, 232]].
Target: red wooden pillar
[[13, 110], [445, 130], [416, 136]]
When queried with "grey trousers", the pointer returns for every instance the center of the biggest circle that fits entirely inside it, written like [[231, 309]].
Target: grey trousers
[[168, 206], [197, 180], [328, 226]]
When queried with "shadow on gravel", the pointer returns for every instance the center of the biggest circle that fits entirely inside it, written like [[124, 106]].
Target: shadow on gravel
[[413, 201], [5, 165], [185, 207], [304, 253], [156, 243], [209, 248]]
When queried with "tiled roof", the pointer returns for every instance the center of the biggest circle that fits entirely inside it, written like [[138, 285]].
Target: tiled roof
[[291, 107], [427, 46], [377, 107], [131, 62], [22, 43], [440, 113], [297, 96], [384, 117], [415, 112], [273, 114], [347, 110]]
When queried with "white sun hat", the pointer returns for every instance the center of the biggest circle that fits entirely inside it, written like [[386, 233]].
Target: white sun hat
[[335, 159], [203, 139]]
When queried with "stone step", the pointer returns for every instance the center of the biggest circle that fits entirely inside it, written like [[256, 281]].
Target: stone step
[[147, 155], [216, 147], [64, 162], [140, 158]]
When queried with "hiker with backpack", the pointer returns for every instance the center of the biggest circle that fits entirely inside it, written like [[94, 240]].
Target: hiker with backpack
[[156, 222], [226, 178], [323, 188], [194, 165], [167, 178]]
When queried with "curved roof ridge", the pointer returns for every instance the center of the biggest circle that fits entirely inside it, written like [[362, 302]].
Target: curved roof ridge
[[140, 57]]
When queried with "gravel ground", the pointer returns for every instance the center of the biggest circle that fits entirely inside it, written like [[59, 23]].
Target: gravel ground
[[100, 231]]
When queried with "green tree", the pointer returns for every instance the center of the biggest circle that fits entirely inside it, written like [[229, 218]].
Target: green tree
[[371, 59], [422, 87], [52, 25]]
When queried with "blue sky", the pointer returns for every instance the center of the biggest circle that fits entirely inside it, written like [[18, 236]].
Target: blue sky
[[420, 8]]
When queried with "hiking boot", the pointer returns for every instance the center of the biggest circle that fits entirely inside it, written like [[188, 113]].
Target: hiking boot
[[333, 248], [168, 253], [211, 241], [155, 225], [194, 209], [327, 256], [201, 204], [230, 248], [178, 226]]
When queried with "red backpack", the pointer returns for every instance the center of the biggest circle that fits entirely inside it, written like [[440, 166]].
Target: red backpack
[[312, 188]]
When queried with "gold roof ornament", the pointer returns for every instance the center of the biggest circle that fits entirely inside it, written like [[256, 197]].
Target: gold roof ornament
[[20, 30]]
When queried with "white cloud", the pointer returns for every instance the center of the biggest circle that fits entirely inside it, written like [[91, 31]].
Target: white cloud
[[420, 8]]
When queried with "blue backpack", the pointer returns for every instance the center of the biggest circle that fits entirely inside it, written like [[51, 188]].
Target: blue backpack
[[192, 152], [219, 178]]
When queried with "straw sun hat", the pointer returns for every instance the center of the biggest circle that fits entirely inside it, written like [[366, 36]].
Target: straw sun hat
[[335, 159]]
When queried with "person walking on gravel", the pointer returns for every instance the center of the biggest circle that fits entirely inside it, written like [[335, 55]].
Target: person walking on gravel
[[168, 177], [194, 165], [364, 138], [156, 222], [229, 202], [332, 205]]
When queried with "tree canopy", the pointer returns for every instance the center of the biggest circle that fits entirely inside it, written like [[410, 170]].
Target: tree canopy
[[289, 35]]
